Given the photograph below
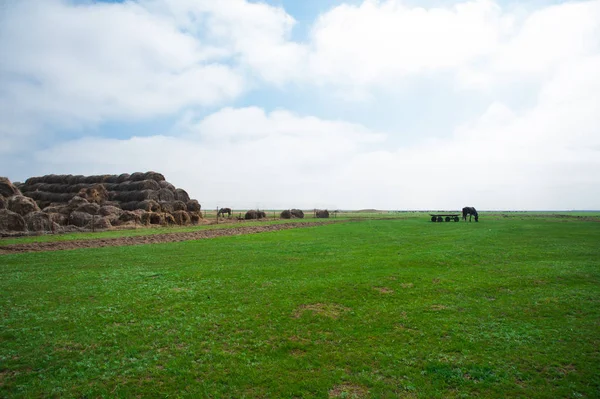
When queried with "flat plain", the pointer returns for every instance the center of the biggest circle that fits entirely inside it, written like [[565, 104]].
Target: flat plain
[[386, 306]]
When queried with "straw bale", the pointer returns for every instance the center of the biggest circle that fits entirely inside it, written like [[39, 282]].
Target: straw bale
[[110, 179], [22, 205], [123, 177], [38, 221], [129, 206], [153, 218], [60, 219], [11, 221], [322, 213], [165, 194], [286, 214], [79, 219], [7, 189], [100, 223], [252, 214], [94, 179], [168, 218], [129, 196], [76, 179], [96, 193], [110, 210], [91, 208], [181, 195], [77, 201], [182, 218], [166, 184], [148, 205], [2, 202], [166, 206], [297, 213], [195, 217], [158, 177], [179, 205], [129, 216], [136, 176], [64, 209], [193, 206]]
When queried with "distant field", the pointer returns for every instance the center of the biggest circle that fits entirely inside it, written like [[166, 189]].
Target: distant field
[[385, 307]]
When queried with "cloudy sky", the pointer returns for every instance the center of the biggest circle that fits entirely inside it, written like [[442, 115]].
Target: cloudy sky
[[389, 104]]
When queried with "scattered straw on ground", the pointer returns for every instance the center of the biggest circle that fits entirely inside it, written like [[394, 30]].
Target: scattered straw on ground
[[331, 310], [348, 391], [384, 290]]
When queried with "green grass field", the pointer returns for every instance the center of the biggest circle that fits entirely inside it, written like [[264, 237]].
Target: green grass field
[[402, 307]]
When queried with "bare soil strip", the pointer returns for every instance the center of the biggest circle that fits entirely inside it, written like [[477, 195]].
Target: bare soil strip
[[150, 239]]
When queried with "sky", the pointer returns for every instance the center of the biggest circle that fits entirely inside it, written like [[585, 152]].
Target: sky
[[389, 104]]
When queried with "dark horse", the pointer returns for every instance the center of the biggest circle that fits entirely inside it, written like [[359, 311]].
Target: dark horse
[[224, 211], [469, 210]]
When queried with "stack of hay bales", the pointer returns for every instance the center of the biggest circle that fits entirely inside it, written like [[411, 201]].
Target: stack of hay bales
[[98, 202], [255, 214], [292, 213], [322, 213]]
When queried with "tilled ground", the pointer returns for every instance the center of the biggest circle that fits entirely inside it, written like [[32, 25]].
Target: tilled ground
[[149, 239]]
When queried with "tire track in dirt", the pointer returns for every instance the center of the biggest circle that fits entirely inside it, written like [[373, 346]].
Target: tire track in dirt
[[151, 239]]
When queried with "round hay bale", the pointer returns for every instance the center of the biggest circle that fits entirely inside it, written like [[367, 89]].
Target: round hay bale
[[123, 177], [297, 213], [2, 202], [38, 221], [166, 194], [91, 208], [182, 218], [99, 223], [96, 193], [79, 219], [154, 176], [166, 206], [153, 218], [59, 218], [11, 221], [95, 179], [33, 180], [149, 205], [166, 184], [65, 210], [286, 214], [77, 179], [169, 219], [179, 205], [129, 216], [129, 206], [251, 214], [137, 176], [7, 189], [110, 179], [22, 205], [195, 217], [76, 202], [181, 195], [322, 213], [110, 210], [193, 206]]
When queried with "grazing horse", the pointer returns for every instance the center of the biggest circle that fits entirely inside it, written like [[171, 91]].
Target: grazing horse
[[224, 211], [469, 210]]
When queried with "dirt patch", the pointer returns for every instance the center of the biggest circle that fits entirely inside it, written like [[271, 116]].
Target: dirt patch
[[150, 239], [437, 308], [331, 310], [348, 391], [383, 290]]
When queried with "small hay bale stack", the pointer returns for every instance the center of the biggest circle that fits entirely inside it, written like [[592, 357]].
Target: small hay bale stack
[[11, 221], [22, 205], [286, 214], [251, 214], [261, 214], [322, 213], [182, 218], [297, 213], [7, 189], [39, 221]]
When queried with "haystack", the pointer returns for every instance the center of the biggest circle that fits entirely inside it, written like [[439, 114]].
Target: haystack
[[80, 219], [39, 221], [286, 214], [22, 205], [297, 213], [322, 213], [11, 221], [7, 189], [255, 214], [193, 206], [182, 218]]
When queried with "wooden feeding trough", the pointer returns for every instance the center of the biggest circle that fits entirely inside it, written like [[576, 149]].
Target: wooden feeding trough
[[440, 217]]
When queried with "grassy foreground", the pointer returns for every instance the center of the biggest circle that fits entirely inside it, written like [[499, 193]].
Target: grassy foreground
[[508, 307]]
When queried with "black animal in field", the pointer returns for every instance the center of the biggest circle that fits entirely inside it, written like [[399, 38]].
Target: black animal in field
[[470, 211], [224, 211]]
